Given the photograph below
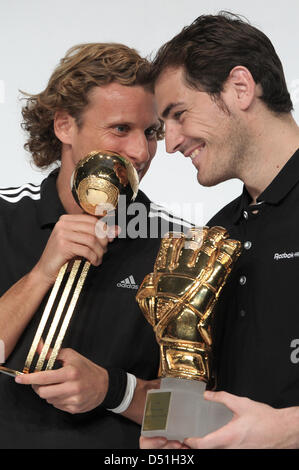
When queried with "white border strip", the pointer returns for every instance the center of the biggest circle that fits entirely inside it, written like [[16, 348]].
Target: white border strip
[[170, 218], [29, 186], [20, 196]]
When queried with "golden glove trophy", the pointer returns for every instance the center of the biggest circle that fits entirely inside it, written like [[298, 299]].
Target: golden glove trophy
[[178, 300], [97, 182]]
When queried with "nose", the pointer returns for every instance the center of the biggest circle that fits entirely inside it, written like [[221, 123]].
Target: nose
[[137, 150], [173, 137]]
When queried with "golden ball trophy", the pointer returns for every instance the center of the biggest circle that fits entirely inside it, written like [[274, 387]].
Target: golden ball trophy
[[178, 300], [97, 182]]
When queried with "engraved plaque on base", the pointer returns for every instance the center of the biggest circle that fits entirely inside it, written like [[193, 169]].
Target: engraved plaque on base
[[178, 410], [178, 299]]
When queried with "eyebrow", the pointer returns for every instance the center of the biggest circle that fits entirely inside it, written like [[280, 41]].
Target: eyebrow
[[169, 108], [115, 122]]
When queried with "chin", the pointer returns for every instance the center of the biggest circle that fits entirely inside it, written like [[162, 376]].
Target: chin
[[206, 181]]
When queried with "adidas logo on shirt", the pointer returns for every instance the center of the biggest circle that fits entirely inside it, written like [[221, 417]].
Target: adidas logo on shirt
[[128, 283]]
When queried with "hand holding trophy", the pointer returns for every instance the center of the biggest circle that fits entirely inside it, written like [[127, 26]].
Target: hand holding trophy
[[97, 182], [178, 300]]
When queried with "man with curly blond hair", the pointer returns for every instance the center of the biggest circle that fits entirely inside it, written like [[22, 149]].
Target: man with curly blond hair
[[97, 98]]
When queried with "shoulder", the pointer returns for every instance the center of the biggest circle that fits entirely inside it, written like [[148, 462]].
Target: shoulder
[[167, 221], [225, 215], [13, 197], [158, 220]]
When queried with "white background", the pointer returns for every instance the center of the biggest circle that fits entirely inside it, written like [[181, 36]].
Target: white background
[[35, 34]]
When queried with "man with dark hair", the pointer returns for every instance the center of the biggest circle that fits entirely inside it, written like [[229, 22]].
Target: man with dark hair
[[222, 94], [96, 99]]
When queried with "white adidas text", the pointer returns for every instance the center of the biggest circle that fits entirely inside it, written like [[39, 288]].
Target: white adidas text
[[128, 283]]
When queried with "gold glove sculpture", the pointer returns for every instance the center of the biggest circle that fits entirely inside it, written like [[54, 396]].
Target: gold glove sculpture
[[179, 296]]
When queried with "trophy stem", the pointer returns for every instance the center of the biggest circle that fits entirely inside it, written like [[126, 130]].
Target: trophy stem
[[68, 315], [58, 316], [11, 372], [44, 319]]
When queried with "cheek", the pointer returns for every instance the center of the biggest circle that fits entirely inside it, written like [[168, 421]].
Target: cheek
[[93, 139], [204, 124], [152, 148], [101, 142]]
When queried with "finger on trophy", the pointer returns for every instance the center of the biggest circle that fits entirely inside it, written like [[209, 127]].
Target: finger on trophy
[[209, 248], [146, 298], [169, 252], [229, 251], [217, 234], [199, 252], [204, 325], [192, 246], [214, 237]]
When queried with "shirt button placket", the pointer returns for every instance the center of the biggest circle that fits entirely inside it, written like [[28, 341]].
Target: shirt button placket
[[243, 279]]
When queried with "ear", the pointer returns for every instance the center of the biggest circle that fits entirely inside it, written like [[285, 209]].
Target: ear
[[242, 87], [64, 126]]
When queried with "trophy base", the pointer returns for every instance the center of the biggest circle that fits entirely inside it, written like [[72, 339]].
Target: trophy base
[[178, 410], [11, 372]]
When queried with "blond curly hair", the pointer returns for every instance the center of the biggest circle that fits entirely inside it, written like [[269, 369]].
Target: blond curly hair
[[84, 67]]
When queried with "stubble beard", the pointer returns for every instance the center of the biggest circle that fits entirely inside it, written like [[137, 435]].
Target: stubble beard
[[228, 157]]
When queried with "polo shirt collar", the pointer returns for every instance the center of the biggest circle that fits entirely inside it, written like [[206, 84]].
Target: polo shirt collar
[[277, 190], [50, 207]]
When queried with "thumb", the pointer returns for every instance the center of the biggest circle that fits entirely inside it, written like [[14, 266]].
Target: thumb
[[233, 402]]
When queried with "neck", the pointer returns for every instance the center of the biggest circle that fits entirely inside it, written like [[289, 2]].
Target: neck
[[273, 144]]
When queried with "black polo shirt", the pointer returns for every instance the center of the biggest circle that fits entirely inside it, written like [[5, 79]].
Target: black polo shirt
[[107, 327], [257, 318]]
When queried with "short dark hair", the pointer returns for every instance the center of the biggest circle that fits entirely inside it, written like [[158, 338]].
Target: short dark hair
[[213, 45]]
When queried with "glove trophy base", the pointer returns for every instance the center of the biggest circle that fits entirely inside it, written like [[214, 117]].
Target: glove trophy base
[[178, 410]]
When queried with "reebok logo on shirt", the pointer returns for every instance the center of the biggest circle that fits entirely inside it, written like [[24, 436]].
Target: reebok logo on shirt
[[128, 283], [279, 256]]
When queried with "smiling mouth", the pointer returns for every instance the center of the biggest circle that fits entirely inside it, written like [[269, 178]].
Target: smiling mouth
[[196, 151]]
